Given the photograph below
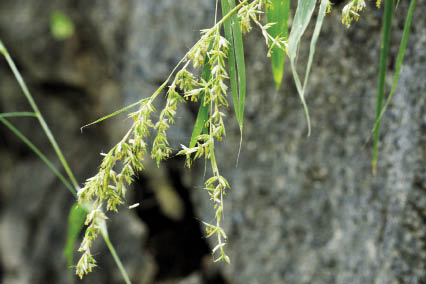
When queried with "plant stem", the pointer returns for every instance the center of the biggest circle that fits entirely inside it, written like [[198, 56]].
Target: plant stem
[[73, 189], [117, 260], [18, 114], [38, 114]]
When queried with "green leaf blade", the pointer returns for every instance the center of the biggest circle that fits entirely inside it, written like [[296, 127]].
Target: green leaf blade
[[304, 11], [317, 30], [232, 69], [384, 50], [241, 66], [203, 112], [278, 12], [76, 219]]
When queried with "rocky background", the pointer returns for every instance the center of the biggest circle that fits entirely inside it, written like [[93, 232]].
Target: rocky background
[[300, 210]]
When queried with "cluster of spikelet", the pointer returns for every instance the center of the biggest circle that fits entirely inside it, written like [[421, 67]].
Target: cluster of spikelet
[[108, 187]]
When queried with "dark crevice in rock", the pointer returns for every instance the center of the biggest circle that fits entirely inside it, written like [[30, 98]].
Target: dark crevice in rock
[[12, 143], [15, 146], [70, 93], [177, 244]]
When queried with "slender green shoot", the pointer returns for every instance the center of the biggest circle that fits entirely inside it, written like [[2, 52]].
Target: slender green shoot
[[386, 32]]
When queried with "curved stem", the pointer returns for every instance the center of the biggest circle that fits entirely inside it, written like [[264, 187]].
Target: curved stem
[[40, 154], [117, 260], [38, 114]]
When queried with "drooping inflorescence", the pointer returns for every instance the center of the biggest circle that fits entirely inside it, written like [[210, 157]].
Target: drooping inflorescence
[[107, 189]]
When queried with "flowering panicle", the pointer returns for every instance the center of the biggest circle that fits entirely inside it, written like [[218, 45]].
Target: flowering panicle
[[108, 187]]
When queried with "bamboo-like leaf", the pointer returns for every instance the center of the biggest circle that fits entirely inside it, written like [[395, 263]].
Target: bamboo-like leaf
[[386, 31], [200, 122], [76, 220], [303, 15], [278, 12], [38, 153]]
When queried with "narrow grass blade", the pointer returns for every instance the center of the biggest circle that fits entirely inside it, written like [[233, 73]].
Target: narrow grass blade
[[113, 114], [18, 114], [76, 220], [241, 66], [200, 122], [232, 71], [386, 31], [278, 12], [303, 15], [40, 154], [399, 60], [318, 25]]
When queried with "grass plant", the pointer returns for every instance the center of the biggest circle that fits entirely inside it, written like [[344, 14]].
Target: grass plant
[[219, 55]]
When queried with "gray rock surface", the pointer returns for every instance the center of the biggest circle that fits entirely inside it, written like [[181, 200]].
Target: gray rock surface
[[300, 210]]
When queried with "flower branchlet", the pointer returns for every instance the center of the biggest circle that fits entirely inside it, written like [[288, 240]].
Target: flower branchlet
[[160, 146], [350, 11], [251, 13]]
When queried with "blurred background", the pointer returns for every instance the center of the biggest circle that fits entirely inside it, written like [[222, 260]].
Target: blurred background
[[300, 210]]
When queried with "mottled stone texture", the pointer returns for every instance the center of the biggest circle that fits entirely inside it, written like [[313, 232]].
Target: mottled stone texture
[[301, 209]]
